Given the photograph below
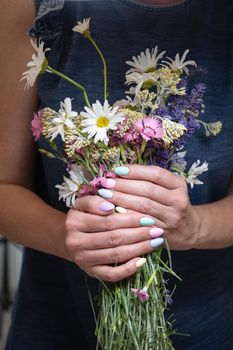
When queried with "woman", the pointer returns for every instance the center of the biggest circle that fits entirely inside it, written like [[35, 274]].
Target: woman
[[52, 308]]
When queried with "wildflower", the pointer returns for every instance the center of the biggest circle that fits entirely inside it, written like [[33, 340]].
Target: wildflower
[[36, 125], [63, 120], [172, 131], [83, 27], [179, 62], [69, 189], [146, 62], [211, 128], [141, 294], [37, 66], [167, 294], [195, 170], [99, 120], [149, 128], [142, 81]]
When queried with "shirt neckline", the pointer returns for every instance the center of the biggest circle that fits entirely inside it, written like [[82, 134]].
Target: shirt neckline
[[155, 7]]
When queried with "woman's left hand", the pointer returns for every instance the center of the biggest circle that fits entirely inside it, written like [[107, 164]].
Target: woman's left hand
[[160, 194]]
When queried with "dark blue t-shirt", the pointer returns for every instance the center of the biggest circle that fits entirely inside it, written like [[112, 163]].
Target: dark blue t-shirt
[[52, 310]]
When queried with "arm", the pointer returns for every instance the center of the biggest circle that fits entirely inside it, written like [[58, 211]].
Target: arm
[[163, 195], [24, 217]]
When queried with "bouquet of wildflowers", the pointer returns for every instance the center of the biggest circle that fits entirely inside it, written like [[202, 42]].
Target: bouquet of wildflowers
[[150, 126]]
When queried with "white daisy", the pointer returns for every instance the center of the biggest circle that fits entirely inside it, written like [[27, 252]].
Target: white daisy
[[64, 119], [179, 62], [38, 64], [195, 170], [146, 62], [68, 191], [145, 80], [100, 119], [83, 27]]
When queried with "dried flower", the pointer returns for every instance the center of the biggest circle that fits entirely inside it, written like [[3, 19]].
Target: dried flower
[[141, 294], [83, 27]]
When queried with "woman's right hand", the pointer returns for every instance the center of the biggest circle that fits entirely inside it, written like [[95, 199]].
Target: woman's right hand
[[105, 244]]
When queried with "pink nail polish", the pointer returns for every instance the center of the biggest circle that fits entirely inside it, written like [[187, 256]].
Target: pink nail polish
[[109, 183], [156, 232]]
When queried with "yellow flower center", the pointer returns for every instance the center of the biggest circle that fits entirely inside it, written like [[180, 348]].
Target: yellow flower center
[[102, 122], [44, 66]]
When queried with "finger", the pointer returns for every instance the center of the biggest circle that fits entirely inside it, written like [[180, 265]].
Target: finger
[[94, 205], [85, 222], [142, 188], [118, 254], [114, 273], [116, 238], [151, 173], [138, 204]]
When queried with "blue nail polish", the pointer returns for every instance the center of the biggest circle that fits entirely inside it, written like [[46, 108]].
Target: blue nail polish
[[147, 221], [121, 170], [105, 193], [157, 242]]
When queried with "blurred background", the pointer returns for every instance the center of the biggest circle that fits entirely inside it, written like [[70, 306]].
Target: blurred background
[[10, 266]]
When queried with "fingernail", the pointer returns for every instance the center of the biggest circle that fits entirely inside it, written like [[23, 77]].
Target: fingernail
[[155, 243], [121, 210], [106, 206], [156, 232], [121, 170], [147, 221], [105, 193], [140, 262], [109, 183]]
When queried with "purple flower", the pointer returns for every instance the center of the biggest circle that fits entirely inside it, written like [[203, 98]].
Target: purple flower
[[141, 294], [167, 295]]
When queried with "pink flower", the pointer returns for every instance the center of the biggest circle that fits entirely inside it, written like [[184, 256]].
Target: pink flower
[[85, 190], [141, 294], [36, 125], [97, 182], [149, 128]]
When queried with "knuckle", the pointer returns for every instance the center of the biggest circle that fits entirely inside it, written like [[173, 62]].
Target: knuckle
[[183, 203], [148, 189], [157, 174], [70, 223], [108, 222], [146, 206], [116, 239], [74, 242]]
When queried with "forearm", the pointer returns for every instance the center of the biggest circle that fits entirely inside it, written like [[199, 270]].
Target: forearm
[[216, 224], [27, 220]]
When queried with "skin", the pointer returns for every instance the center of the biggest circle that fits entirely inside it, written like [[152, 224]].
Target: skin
[[26, 219]]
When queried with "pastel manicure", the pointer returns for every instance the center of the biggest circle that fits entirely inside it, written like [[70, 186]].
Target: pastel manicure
[[109, 183], [156, 232], [105, 193], [147, 221], [157, 242], [106, 206], [121, 170], [140, 262], [121, 210]]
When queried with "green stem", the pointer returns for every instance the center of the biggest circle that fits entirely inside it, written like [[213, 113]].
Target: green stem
[[104, 64], [80, 87]]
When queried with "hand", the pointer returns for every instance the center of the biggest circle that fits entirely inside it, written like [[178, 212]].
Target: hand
[[161, 194], [96, 238]]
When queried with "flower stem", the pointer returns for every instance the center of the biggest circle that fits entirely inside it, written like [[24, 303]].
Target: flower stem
[[104, 64], [80, 87]]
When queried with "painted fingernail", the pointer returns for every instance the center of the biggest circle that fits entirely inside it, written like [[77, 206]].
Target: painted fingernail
[[105, 193], [109, 183], [157, 242], [121, 170], [106, 206], [140, 262], [121, 210], [156, 232], [147, 221]]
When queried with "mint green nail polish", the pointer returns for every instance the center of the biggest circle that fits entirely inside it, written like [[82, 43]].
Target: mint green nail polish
[[105, 193], [147, 221], [121, 170]]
